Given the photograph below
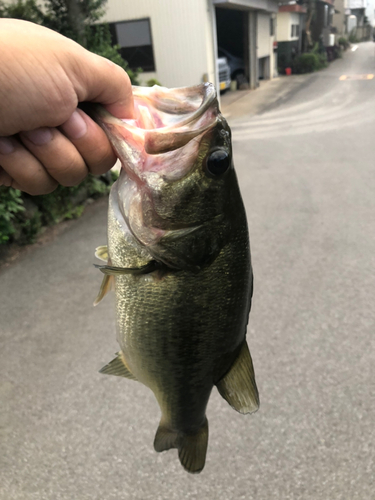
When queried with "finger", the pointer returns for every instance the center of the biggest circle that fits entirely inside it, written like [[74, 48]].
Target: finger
[[26, 171], [90, 141], [105, 82], [57, 154]]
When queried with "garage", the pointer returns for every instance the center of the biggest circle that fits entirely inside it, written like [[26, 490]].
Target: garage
[[232, 41], [245, 36]]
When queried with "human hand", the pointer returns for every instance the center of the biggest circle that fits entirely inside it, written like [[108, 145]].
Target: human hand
[[44, 139]]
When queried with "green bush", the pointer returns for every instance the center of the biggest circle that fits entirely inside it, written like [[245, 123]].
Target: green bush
[[23, 216], [310, 61], [11, 204], [353, 37], [306, 63], [152, 82], [344, 42]]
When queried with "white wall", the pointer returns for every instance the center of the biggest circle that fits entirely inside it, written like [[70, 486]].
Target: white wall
[[284, 26], [181, 34], [263, 44]]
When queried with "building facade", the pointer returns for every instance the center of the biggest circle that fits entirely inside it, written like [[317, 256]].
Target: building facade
[[177, 41], [290, 26], [357, 16]]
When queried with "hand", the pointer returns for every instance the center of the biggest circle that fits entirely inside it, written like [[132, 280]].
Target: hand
[[44, 139]]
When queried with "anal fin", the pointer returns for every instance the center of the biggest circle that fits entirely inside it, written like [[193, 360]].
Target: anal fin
[[118, 367], [238, 386]]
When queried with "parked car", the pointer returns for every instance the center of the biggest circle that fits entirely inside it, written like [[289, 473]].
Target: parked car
[[236, 64], [224, 73]]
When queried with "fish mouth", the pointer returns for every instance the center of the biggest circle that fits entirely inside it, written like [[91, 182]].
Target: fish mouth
[[165, 120]]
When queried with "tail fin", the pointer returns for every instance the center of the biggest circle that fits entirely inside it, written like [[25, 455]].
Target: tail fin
[[192, 448]]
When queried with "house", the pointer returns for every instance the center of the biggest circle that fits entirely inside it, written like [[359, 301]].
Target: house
[[354, 16], [177, 41], [290, 26]]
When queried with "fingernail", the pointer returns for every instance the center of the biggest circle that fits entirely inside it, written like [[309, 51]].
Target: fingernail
[[6, 146], [39, 136], [75, 127]]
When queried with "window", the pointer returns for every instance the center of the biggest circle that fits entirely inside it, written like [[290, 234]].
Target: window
[[135, 41], [295, 30]]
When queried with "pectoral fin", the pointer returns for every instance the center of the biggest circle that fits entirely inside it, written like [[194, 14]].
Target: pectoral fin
[[238, 386], [115, 271], [101, 253], [118, 367], [106, 286]]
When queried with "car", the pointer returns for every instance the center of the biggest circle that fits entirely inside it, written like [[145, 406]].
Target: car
[[224, 74], [236, 64]]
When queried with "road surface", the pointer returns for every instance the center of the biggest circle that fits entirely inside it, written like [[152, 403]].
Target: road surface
[[307, 172]]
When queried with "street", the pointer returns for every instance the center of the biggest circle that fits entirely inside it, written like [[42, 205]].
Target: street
[[305, 163]]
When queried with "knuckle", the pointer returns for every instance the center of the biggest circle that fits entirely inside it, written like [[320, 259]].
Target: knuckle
[[68, 172], [101, 159]]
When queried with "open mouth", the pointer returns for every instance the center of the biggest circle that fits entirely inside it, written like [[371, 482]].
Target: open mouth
[[166, 120]]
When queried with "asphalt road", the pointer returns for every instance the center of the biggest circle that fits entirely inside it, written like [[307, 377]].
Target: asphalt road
[[306, 169]]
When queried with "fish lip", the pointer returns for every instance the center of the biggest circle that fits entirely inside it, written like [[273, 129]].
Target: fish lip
[[141, 142]]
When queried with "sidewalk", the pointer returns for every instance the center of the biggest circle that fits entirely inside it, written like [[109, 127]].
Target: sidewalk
[[253, 102]]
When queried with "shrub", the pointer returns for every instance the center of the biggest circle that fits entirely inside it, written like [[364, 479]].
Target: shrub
[[353, 37], [311, 61], [337, 52], [152, 82], [344, 42], [23, 216], [11, 204], [306, 63]]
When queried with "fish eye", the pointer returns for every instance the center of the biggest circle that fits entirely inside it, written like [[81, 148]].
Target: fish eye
[[218, 162]]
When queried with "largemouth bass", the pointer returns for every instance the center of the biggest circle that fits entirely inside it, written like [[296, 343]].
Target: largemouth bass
[[178, 258]]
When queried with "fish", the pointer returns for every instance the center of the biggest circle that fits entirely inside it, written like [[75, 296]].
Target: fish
[[178, 259]]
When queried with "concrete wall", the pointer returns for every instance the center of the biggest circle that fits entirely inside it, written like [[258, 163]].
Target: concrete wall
[[338, 19], [181, 35], [284, 26], [264, 48]]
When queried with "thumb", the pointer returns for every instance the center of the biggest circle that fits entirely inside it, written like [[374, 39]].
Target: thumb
[[102, 81]]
